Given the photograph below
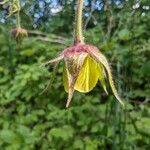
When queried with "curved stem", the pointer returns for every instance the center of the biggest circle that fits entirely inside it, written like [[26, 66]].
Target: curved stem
[[78, 23]]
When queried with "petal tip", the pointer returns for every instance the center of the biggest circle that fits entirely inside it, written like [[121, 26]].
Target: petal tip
[[120, 101]]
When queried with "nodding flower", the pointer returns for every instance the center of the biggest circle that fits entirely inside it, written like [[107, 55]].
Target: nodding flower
[[84, 66], [19, 34]]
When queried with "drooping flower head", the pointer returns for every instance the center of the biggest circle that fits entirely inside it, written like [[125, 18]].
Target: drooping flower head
[[84, 65], [19, 34]]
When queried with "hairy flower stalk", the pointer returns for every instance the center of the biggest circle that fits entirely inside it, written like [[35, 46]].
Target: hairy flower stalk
[[78, 24], [84, 65], [18, 33]]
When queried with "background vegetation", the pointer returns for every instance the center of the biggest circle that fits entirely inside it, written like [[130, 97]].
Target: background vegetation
[[33, 121]]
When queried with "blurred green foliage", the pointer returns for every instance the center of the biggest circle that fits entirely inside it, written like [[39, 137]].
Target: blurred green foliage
[[33, 121]]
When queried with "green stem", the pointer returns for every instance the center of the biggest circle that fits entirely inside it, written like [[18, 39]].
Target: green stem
[[18, 20], [18, 15], [78, 24]]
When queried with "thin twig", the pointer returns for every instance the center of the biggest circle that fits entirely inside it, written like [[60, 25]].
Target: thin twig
[[110, 18], [90, 14], [48, 86], [4, 2], [46, 35], [51, 40]]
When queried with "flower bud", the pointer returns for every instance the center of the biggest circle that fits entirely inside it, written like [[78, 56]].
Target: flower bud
[[19, 34]]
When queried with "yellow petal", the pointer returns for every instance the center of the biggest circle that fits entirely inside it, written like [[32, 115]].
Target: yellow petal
[[88, 76]]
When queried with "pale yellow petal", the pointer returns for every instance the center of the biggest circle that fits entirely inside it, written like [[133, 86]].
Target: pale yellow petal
[[88, 76]]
